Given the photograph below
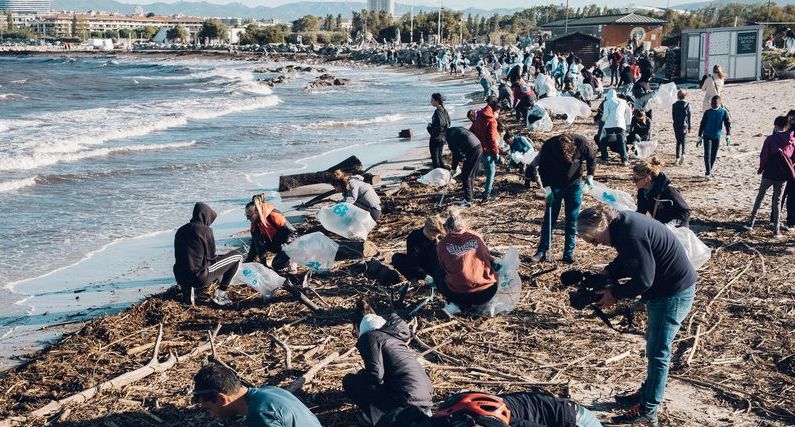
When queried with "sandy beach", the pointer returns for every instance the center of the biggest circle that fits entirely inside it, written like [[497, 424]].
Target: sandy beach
[[741, 372]]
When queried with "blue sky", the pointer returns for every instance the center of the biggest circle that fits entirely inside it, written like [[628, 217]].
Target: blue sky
[[456, 4]]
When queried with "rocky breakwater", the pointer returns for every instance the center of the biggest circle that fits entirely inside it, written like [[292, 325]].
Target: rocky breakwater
[[326, 80]]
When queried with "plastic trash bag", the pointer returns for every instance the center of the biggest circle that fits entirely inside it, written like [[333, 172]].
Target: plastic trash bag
[[260, 278], [666, 94], [616, 199], [509, 286], [542, 125], [697, 252], [347, 220], [314, 250], [644, 149], [586, 91], [571, 107], [438, 177], [524, 158]]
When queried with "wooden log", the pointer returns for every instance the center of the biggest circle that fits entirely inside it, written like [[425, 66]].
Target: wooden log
[[354, 249], [406, 133], [301, 296], [310, 374], [351, 165]]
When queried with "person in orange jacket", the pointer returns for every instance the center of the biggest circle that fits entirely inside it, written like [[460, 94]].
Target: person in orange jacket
[[270, 230], [485, 128]]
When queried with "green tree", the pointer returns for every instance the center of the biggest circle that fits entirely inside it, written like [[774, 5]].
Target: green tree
[[213, 29], [328, 22], [338, 22], [150, 15], [9, 22], [306, 24], [266, 35], [178, 33]]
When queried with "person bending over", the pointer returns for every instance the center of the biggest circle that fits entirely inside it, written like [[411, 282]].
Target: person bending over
[[656, 196], [522, 409], [711, 129], [196, 265], [218, 390], [485, 128], [392, 377], [640, 128], [467, 150], [661, 274], [270, 230], [420, 259], [357, 192]]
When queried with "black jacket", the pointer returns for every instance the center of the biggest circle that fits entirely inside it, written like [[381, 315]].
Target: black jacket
[[423, 250], [555, 172], [461, 142], [439, 124], [388, 361], [670, 204], [681, 115], [639, 129], [650, 254], [539, 410], [194, 247]]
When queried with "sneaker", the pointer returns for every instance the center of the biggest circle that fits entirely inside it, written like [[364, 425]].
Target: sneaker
[[464, 203], [636, 416], [541, 256], [220, 298], [569, 259], [681, 160], [628, 400], [748, 227], [624, 163], [778, 236]]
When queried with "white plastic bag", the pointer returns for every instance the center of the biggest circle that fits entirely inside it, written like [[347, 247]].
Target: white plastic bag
[[260, 278], [525, 158], [645, 149], [509, 285], [314, 250], [616, 199], [543, 125], [571, 107], [346, 220], [697, 252], [667, 94], [438, 177], [586, 91]]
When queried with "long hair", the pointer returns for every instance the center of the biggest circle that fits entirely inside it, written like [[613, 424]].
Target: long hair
[[651, 167], [718, 71], [339, 180], [361, 309], [567, 147]]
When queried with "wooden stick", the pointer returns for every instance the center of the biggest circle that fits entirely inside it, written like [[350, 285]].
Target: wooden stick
[[726, 286], [288, 354], [616, 358], [438, 353], [695, 345], [301, 297], [310, 374], [144, 347]]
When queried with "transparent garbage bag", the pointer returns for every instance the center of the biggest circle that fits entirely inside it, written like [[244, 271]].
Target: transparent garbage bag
[[667, 94], [509, 285], [524, 158], [314, 250], [438, 177], [644, 149], [586, 91], [260, 278], [571, 107], [346, 220], [542, 125], [697, 252], [616, 199]]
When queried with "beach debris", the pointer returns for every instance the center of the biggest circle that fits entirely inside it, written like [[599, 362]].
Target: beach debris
[[351, 165], [262, 279], [314, 250], [405, 133], [346, 220]]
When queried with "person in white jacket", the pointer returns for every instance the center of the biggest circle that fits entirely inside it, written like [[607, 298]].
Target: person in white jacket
[[712, 85], [616, 114], [544, 85]]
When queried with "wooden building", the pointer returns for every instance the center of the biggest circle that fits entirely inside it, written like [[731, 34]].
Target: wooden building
[[613, 30], [584, 46]]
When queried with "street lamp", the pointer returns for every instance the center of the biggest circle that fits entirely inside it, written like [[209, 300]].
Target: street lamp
[[412, 21], [439, 39], [566, 29]]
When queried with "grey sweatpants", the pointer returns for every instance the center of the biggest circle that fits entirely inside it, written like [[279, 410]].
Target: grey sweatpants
[[760, 195]]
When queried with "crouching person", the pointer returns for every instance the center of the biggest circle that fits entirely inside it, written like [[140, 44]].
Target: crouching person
[[357, 192], [420, 259], [522, 409], [219, 391], [661, 274], [466, 276], [392, 378], [196, 265], [270, 230]]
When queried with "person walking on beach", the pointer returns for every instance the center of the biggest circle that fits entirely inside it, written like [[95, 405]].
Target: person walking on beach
[[357, 192], [392, 377], [711, 129], [196, 265], [420, 260], [561, 159], [467, 150], [712, 85], [485, 128], [776, 166], [437, 129], [219, 391], [486, 80], [616, 59], [656, 196], [680, 111], [270, 231], [656, 263]]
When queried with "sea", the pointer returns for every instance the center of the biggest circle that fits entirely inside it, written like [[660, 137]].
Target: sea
[[103, 157]]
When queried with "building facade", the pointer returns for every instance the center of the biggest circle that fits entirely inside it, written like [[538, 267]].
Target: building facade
[[614, 30], [59, 25], [381, 6], [26, 6]]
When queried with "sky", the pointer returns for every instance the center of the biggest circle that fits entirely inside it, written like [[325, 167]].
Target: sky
[[457, 4]]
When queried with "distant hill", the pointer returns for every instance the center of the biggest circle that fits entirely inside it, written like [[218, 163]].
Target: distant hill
[[699, 5], [287, 12]]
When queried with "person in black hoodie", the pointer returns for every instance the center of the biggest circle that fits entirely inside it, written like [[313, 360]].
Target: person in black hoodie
[[656, 196], [661, 274], [392, 378], [420, 259], [639, 128], [197, 266], [467, 150], [437, 128]]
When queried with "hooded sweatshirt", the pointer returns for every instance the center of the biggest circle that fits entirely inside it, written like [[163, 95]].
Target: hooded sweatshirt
[[390, 363], [194, 247], [270, 220], [466, 262], [362, 193], [670, 206], [771, 159], [713, 121], [485, 128], [615, 111]]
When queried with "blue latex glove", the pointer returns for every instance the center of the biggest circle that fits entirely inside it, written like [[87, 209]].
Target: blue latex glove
[[589, 181], [728, 141]]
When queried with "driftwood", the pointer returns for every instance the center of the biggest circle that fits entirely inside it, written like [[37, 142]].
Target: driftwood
[[310, 374], [288, 354], [288, 182], [301, 296]]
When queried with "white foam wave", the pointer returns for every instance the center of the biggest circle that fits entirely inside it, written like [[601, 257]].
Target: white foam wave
[[11, 96], [16, 184], [390, 118], [43, 159]]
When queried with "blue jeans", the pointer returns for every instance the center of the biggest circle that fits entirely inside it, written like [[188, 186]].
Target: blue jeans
[[665, 319], [486, 87], [586, 418], [572, 196], [490, 166]]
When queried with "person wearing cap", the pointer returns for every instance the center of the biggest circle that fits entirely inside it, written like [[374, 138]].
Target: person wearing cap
[[219, 391]]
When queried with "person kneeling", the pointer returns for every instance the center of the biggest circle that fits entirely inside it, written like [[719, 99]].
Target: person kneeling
[[420, 259], [656, 195], [218, 390], [466, 276], [357, 192], [392, 378], [270, 230]]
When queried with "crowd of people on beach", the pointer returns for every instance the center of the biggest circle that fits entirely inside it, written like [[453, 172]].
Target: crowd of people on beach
[[446, 255]]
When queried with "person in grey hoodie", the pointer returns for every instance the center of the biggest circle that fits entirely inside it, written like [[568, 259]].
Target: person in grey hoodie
[[776, 166], [392, 377], [357, 192]]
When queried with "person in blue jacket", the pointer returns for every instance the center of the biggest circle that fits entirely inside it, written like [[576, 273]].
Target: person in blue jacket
[[710, 131]]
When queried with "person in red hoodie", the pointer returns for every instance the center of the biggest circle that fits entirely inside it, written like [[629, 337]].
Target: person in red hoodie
[[776, 166], [485, 128], [523, 99], [466, 275], [270, 230]]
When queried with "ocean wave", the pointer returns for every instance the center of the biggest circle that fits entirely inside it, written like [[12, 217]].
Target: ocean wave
[[11, 96], [389, 118], [16, 184]]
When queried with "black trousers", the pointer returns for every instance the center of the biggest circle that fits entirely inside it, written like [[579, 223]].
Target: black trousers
[[614, 75], [224, 267], [436, 146], [262, 247], [470, 170], [711, 147], [521, 109], [681, 138], [788, 203], [410, 267], [462, 299], [359, 387]]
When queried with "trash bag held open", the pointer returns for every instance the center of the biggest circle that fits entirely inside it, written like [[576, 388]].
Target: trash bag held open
[[616, 199], [509, 286], [571, 107], [438, 177], [314, 250], [697, 252], [645, 149], [260, 278], [524, 158], [346, 220]]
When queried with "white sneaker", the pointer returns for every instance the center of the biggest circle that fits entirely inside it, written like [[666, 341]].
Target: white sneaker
[[220, 297], [452, 309], [292, 268], [464, 203]]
